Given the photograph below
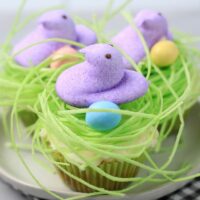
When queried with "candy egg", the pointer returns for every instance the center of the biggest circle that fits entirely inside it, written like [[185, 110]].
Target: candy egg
[[63, 56], [164, 53], [103, 121]]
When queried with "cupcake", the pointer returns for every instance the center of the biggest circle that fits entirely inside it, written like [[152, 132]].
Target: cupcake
[[100, 82]]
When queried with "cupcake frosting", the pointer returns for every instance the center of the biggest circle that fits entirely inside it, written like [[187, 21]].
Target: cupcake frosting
[[138, 144]]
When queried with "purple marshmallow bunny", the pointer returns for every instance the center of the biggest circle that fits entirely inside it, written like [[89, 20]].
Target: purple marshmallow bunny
[[53, 24], [101, 77], [152, 25]]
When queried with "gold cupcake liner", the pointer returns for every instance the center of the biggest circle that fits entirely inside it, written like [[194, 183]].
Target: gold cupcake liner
[[114, 168]]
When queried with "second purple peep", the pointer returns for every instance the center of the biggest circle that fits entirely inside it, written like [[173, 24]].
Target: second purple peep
[[152, 25], [53, 24]]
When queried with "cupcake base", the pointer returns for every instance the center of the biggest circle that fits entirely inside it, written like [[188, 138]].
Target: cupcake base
[[114, 168]]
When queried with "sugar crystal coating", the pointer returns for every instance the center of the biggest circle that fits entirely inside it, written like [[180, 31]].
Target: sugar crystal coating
[[152, 25], [101, 77], [53, 24]]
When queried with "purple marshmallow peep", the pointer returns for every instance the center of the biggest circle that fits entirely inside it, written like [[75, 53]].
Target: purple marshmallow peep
[[53, 24], [85, 35], [152, 25], [101, 77]]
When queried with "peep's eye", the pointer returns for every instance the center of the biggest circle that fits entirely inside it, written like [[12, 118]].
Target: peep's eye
[[111, 45], [64, 16], [108, 56], [160, 14]]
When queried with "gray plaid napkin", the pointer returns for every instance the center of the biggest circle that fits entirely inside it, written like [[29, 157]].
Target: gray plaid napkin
[[189, 192]]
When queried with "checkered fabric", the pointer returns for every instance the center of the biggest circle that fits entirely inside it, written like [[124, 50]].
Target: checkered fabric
[[189, 192]]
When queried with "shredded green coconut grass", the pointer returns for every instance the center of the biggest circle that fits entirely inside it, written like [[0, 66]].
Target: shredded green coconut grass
[[172, 91]]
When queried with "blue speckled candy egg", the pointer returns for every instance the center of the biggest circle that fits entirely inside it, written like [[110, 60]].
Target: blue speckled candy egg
[[103, 121]]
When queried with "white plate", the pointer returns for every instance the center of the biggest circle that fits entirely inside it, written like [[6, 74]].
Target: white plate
[[13, 172]]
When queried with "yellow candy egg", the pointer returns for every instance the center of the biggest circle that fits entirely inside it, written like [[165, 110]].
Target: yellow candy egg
[[164, 53]]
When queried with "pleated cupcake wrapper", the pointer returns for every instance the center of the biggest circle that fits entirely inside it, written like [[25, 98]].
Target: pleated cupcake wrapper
[[114, 168]]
